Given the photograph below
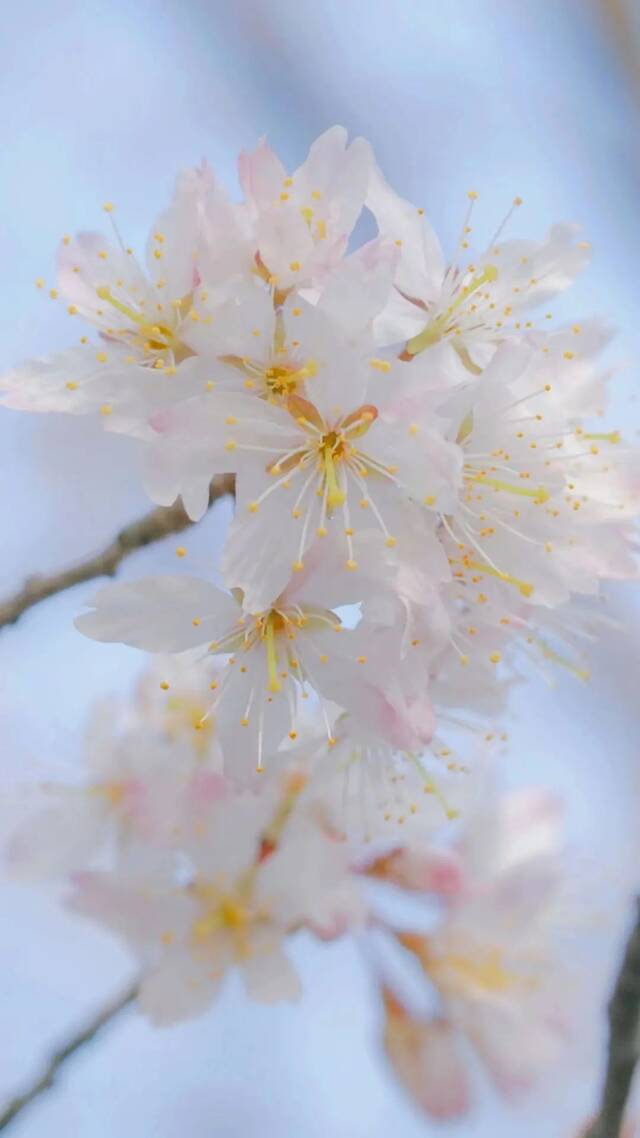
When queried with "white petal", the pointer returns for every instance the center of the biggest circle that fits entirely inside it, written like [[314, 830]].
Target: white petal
[[421, 267], [58, 840], [141, 912], [427, 1061], [251, 720], [261, 175], [268, 973], [207, 436], [263, 544], [159, 614], [178, 988], [359, 287]]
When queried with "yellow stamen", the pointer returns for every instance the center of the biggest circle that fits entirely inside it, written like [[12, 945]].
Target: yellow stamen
[[435, 330], [523, 587], [555, 658], [272, 656], [335, 496], [604, 436], [105, 294], [538, 493]]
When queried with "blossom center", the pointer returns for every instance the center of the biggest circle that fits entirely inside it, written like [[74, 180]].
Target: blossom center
[[445, 322], [113, 792], [277, 381], [223, 912], [331, 445], [153, 337]]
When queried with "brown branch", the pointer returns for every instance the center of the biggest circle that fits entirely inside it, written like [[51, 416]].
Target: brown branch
[[46, 1080], [152, 527], [624, 1042]]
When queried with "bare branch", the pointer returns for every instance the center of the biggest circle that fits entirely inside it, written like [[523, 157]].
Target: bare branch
[[152, 527], [624, 1042], [46, 1080]]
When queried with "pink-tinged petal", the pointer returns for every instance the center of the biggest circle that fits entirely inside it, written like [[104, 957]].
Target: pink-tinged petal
[[178, 988], [323, 164], [427, 467], [58, 840], [552, 263], [90, 262], [159, 614], [175, 237], [141, 915], [425, 1058], [359, 287], [404, 722], [421, 266], [208, 787], [73, 382], [268, 974], [515, 1047], [262, 543], [355, 669], [262, 176], [419, 872], [284, 241], [338, 175], [309, 880], [216, 434]]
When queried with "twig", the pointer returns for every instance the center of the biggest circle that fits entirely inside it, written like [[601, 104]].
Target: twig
[[152, 527], [46, 1080], [624, 1041]]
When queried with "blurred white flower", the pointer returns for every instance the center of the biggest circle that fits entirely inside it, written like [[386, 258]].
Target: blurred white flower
[[493, 959], [252, 879]]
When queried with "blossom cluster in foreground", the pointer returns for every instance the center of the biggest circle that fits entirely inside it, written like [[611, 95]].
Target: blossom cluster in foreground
[[461, 928], [426, 501]]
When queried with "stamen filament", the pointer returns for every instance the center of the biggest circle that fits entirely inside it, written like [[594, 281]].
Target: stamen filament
[[335, 495], [272, 656], [105, 294], [524, 587], [538, 493], [435, 329]]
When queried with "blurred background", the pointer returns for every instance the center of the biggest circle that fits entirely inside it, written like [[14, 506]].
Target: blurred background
[[106, 101]]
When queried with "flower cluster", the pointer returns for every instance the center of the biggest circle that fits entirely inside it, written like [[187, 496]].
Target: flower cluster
[[201, 878], [424, 496]]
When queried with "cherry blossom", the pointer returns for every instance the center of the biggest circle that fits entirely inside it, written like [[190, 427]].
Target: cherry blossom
[[301, 221], [141, 361], [344, 454], [471, 304], [428, 500], [276, 657], [150, 768], [492, 960], [253, 879]]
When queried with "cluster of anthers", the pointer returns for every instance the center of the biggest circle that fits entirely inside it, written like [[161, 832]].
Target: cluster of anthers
[[422, 501]]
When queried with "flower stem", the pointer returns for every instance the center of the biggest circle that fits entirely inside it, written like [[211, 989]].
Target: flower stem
[[624, 1041], [152, 527], [47, 1078]]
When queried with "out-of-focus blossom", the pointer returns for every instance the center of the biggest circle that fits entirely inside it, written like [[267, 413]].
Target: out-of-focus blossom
[[251, 879], [150, 769], [492, 962]]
